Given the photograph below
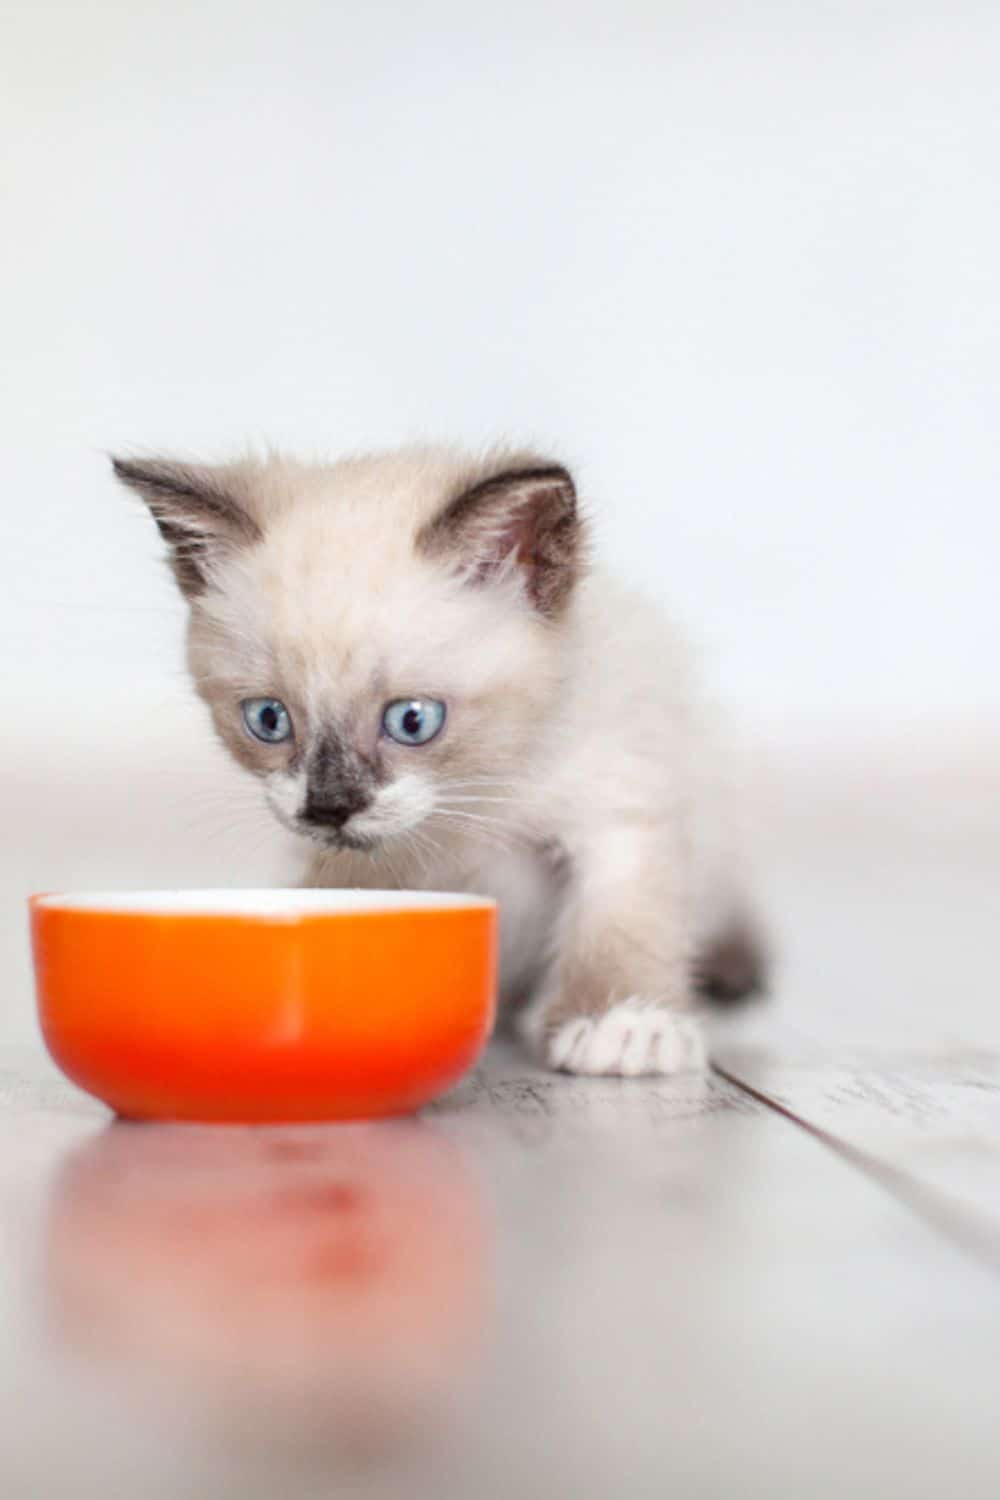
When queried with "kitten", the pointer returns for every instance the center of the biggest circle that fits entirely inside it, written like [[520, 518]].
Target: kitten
[[413, 655]]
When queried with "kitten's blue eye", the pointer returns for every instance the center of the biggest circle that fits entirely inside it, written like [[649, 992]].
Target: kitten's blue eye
[[413, 721], [267, 719]]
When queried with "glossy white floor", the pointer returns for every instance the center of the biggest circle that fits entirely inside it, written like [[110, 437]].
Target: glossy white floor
[[782, 1282]]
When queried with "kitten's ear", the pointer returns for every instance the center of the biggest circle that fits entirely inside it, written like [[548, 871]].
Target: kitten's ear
[[198, 515], [522, 517]]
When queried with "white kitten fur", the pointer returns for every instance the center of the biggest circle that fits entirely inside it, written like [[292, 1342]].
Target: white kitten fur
[[630, 1039], [577, 779]]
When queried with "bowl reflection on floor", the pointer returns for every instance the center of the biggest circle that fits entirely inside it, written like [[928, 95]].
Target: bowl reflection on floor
[[324, 1280]]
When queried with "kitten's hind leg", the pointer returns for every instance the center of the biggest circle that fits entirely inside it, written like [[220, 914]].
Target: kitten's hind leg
[[733, 964]]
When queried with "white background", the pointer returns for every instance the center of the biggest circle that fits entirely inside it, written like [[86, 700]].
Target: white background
[[737, 264]]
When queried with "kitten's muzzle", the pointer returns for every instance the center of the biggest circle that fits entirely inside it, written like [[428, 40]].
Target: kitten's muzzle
[[333, 814]]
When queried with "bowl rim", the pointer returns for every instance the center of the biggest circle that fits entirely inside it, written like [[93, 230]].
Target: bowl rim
[[258, 903]]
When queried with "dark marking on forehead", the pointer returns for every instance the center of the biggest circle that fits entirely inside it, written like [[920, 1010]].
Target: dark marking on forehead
[[334, 758]]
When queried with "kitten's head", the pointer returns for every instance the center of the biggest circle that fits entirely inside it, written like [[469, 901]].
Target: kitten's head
[[382, 640]]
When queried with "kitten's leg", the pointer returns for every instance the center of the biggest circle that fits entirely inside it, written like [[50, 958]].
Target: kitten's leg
[[733, 964], [617, 997]]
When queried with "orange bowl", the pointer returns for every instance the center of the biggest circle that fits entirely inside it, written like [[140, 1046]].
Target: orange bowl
[[257, 1006]]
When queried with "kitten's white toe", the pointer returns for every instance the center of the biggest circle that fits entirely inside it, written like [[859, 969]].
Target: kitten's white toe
[[633, 1038], [563, 1046]]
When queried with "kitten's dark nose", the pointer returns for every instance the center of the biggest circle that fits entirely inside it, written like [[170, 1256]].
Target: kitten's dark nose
[[333, 812], [338, 785]]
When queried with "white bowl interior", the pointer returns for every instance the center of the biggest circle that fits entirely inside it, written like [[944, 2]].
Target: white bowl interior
[[278, 905]]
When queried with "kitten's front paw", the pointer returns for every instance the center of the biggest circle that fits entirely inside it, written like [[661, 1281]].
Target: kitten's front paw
[[632, 1038]]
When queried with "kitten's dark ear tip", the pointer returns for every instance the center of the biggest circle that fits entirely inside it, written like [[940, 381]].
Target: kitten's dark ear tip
[[128, 470], [154, 473], [526, 513], [198, 516]]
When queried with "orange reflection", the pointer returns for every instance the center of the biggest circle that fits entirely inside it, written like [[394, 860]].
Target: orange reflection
[[328, 1277]]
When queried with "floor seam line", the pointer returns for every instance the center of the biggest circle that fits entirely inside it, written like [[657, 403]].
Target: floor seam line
[[972, 1233]]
